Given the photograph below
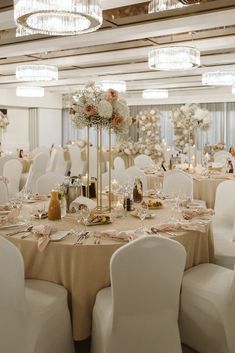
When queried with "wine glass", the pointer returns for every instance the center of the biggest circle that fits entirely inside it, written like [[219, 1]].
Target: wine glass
[[142, 212], [85, 213]]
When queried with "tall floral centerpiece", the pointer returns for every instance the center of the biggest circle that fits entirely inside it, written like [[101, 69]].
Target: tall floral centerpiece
[[186, 121], [4, 122], [149, 134], [92, 107]]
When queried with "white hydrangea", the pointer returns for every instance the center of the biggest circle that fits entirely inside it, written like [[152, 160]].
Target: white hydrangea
[[105, 109], [121, 109]]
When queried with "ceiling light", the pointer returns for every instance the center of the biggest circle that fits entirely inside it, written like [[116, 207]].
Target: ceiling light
[[174, 58], [219, 78], [36, 73], [29, 91], [58, 17], [119, 86], [155, 94], [163, 5]]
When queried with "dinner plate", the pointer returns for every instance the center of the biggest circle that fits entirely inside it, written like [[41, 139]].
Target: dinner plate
[[57, 236], [98, 223], [11, 225], [30, 200], [149, 216]]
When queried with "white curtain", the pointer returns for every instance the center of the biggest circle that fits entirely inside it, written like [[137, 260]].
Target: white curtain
[[222, 123], [70, 133], [33, 128]]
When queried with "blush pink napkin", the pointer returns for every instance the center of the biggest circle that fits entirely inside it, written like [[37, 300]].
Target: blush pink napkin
[[199, 227], [42, 232], [14, 213], [191, 213], [115, 235], [6, 207]]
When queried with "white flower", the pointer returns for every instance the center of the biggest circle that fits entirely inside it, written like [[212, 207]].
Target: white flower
[[121, 108], [105, 109]]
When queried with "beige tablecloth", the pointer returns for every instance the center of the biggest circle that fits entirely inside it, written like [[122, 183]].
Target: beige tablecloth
[[84, 270], [204, 188]]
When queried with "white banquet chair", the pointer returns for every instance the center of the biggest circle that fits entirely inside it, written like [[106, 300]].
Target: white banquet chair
[[52, 160], [139, 312], [176, 181], [38, 150], [121, 176], [223, 224], [46, 182], [12, 170], [34, 314], [61, 165], [143, 161], [118, 163], [37, 169], [77, 165], [3, 193], [222, 156], [207, 310], [4, 159], [134, 173]]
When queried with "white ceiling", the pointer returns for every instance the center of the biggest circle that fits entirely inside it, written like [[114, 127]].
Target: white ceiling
[[120, 49]]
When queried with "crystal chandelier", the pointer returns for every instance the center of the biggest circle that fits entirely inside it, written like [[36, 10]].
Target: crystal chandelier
[[155, 94], [174, 58], [163, 5], [29, 91], [58, 17], [119, 86], [36, 72], [219, 78]]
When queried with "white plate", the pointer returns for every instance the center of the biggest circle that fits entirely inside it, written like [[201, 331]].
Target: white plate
[[30, 200], [149, 216], [11, 225], [59, 235]]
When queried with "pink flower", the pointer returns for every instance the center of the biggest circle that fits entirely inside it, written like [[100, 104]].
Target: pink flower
[[112, 95], [117, 120], [90, 110]]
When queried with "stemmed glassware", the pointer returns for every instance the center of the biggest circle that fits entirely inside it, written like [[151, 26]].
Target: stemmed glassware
[[142, 212], [40, 211], [85, 213]]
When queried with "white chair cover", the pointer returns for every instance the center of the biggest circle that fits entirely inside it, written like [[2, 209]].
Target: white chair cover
[[52, 161], [3, 193], [61, 164], [40, 149], [224, 224], [34, 314], [207, 316], [46, 182], [119, 164], [77, 165], [4, 159], [143, 161], [121, 176], [37, 169], [222, 156], [134, 173], [139, 313], [177, 182], [12, 170]]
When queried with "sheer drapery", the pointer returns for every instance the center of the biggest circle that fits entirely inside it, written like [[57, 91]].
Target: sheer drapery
[[33, 128], [70, 133], [222, 127]]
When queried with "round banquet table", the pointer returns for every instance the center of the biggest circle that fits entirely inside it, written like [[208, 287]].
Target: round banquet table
[[204, 188], [84, 269]]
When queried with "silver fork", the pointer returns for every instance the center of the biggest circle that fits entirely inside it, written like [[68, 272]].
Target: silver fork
[[83, 237]]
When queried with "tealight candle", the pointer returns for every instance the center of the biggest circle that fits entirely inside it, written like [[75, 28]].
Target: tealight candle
[[118, 208]]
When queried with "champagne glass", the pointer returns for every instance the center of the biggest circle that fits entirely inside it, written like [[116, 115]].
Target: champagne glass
[[85, 212], [40, 211]]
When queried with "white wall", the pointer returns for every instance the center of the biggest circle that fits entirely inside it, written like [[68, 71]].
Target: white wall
[[49, 127], [17, 133]]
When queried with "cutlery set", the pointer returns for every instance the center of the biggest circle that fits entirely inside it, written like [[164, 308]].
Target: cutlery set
[[81, 237]]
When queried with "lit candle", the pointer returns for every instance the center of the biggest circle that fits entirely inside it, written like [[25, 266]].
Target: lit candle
[[119, 209], [114, 185]]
